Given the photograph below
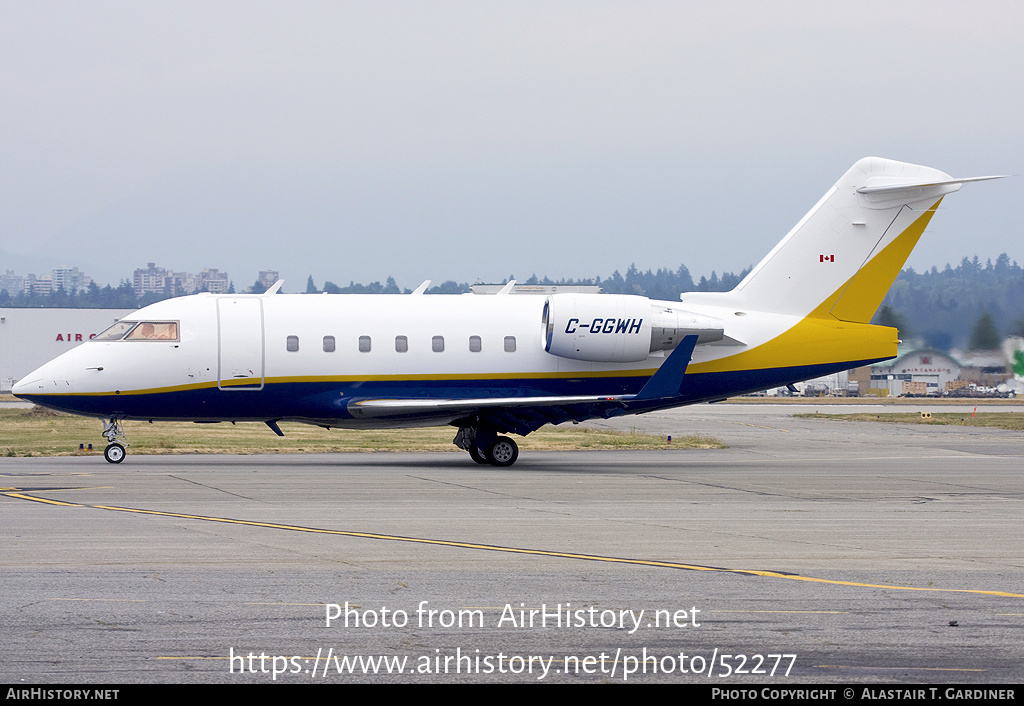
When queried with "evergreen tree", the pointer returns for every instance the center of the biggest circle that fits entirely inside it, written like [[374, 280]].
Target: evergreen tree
[[887, 316], [449, 287], [984, 336]]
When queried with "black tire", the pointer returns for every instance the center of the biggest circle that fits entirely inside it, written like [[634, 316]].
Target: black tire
[[478, 455], [114, 453], [503, 452]]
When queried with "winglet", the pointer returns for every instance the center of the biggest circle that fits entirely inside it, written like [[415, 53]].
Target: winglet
[[669, 378], [422, 288], [275, 287]]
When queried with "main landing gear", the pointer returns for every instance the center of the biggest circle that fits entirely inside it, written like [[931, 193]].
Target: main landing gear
[[485, 446], [114, 453]]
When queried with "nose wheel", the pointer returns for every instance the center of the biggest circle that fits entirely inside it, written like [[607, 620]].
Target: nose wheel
[[114, 453], [116, 441]]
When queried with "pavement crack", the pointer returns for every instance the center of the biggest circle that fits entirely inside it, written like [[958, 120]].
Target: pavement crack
[[479, 490], [211, 487]]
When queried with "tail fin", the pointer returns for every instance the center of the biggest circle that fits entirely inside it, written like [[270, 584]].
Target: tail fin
[[841, 259]]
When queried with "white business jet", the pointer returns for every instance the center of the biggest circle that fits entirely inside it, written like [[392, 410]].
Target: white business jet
[[496, 365]]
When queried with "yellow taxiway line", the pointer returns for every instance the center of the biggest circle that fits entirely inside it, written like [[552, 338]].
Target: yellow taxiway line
[[514, 550]]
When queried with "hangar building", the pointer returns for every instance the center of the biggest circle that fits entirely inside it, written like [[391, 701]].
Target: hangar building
[[31, 337], [919, 372]]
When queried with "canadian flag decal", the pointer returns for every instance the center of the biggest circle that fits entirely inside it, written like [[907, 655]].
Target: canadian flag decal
[[826, 258]]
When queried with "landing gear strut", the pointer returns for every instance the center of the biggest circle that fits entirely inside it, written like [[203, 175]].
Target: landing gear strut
[[114, 453], [485, 446]]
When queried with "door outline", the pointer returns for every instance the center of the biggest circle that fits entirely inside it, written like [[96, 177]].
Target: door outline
[[240, 344]]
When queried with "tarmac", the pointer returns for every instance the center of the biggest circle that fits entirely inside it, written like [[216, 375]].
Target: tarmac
[[809, 551]]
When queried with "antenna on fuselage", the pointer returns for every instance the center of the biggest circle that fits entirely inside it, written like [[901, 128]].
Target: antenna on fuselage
[[422, 288], [275, 287]]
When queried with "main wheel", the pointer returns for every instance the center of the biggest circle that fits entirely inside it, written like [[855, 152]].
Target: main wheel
[[477, 455], [503, 452], [114, 453]]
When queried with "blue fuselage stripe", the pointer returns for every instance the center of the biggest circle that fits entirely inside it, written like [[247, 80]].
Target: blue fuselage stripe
[[327, 401]]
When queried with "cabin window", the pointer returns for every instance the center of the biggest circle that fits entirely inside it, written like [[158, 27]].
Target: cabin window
[[364, 344], [474, 344], [510, 344], [401, 344], [328, 344], [437, 344], [292, 343]]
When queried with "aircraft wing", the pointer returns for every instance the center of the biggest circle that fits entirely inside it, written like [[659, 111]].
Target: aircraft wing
[[524, 414], [519, 415], [369, 408]]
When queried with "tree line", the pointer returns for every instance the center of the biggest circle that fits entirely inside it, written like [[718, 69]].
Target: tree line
[[967, 306], [944, 308]]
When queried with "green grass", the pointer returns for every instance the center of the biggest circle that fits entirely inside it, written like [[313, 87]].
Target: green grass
[[1000, 420], [41, 432]]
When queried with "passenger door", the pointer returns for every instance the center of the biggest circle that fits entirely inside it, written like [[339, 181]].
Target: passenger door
[[240, 343]]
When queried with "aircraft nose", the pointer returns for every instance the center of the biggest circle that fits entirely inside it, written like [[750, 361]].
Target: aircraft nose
[[27, 384], [55, 377]]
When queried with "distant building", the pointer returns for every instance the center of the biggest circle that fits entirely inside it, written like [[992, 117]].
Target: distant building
[[12, 283], [919, 372], [151, 279], [268, 278], [163, 281], [985, 368], [71, 279], [43, 284], [213, 281]]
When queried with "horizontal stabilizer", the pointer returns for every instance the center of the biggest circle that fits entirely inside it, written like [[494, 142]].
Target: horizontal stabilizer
[[898, 185], [842, 257]]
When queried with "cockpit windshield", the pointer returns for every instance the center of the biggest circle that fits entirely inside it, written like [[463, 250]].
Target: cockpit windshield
[[154, 331], [140, 331], [116, 332]]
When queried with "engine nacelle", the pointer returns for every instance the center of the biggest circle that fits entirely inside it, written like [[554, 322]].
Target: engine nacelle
[[618, 328]]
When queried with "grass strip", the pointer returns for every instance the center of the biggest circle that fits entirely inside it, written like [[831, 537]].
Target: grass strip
[[1013, 421], [42, 432]]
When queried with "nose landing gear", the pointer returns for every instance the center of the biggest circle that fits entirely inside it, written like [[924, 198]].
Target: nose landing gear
[[114, 433]]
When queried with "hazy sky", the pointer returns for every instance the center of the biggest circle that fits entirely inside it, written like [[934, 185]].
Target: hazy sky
[[465, 140]]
